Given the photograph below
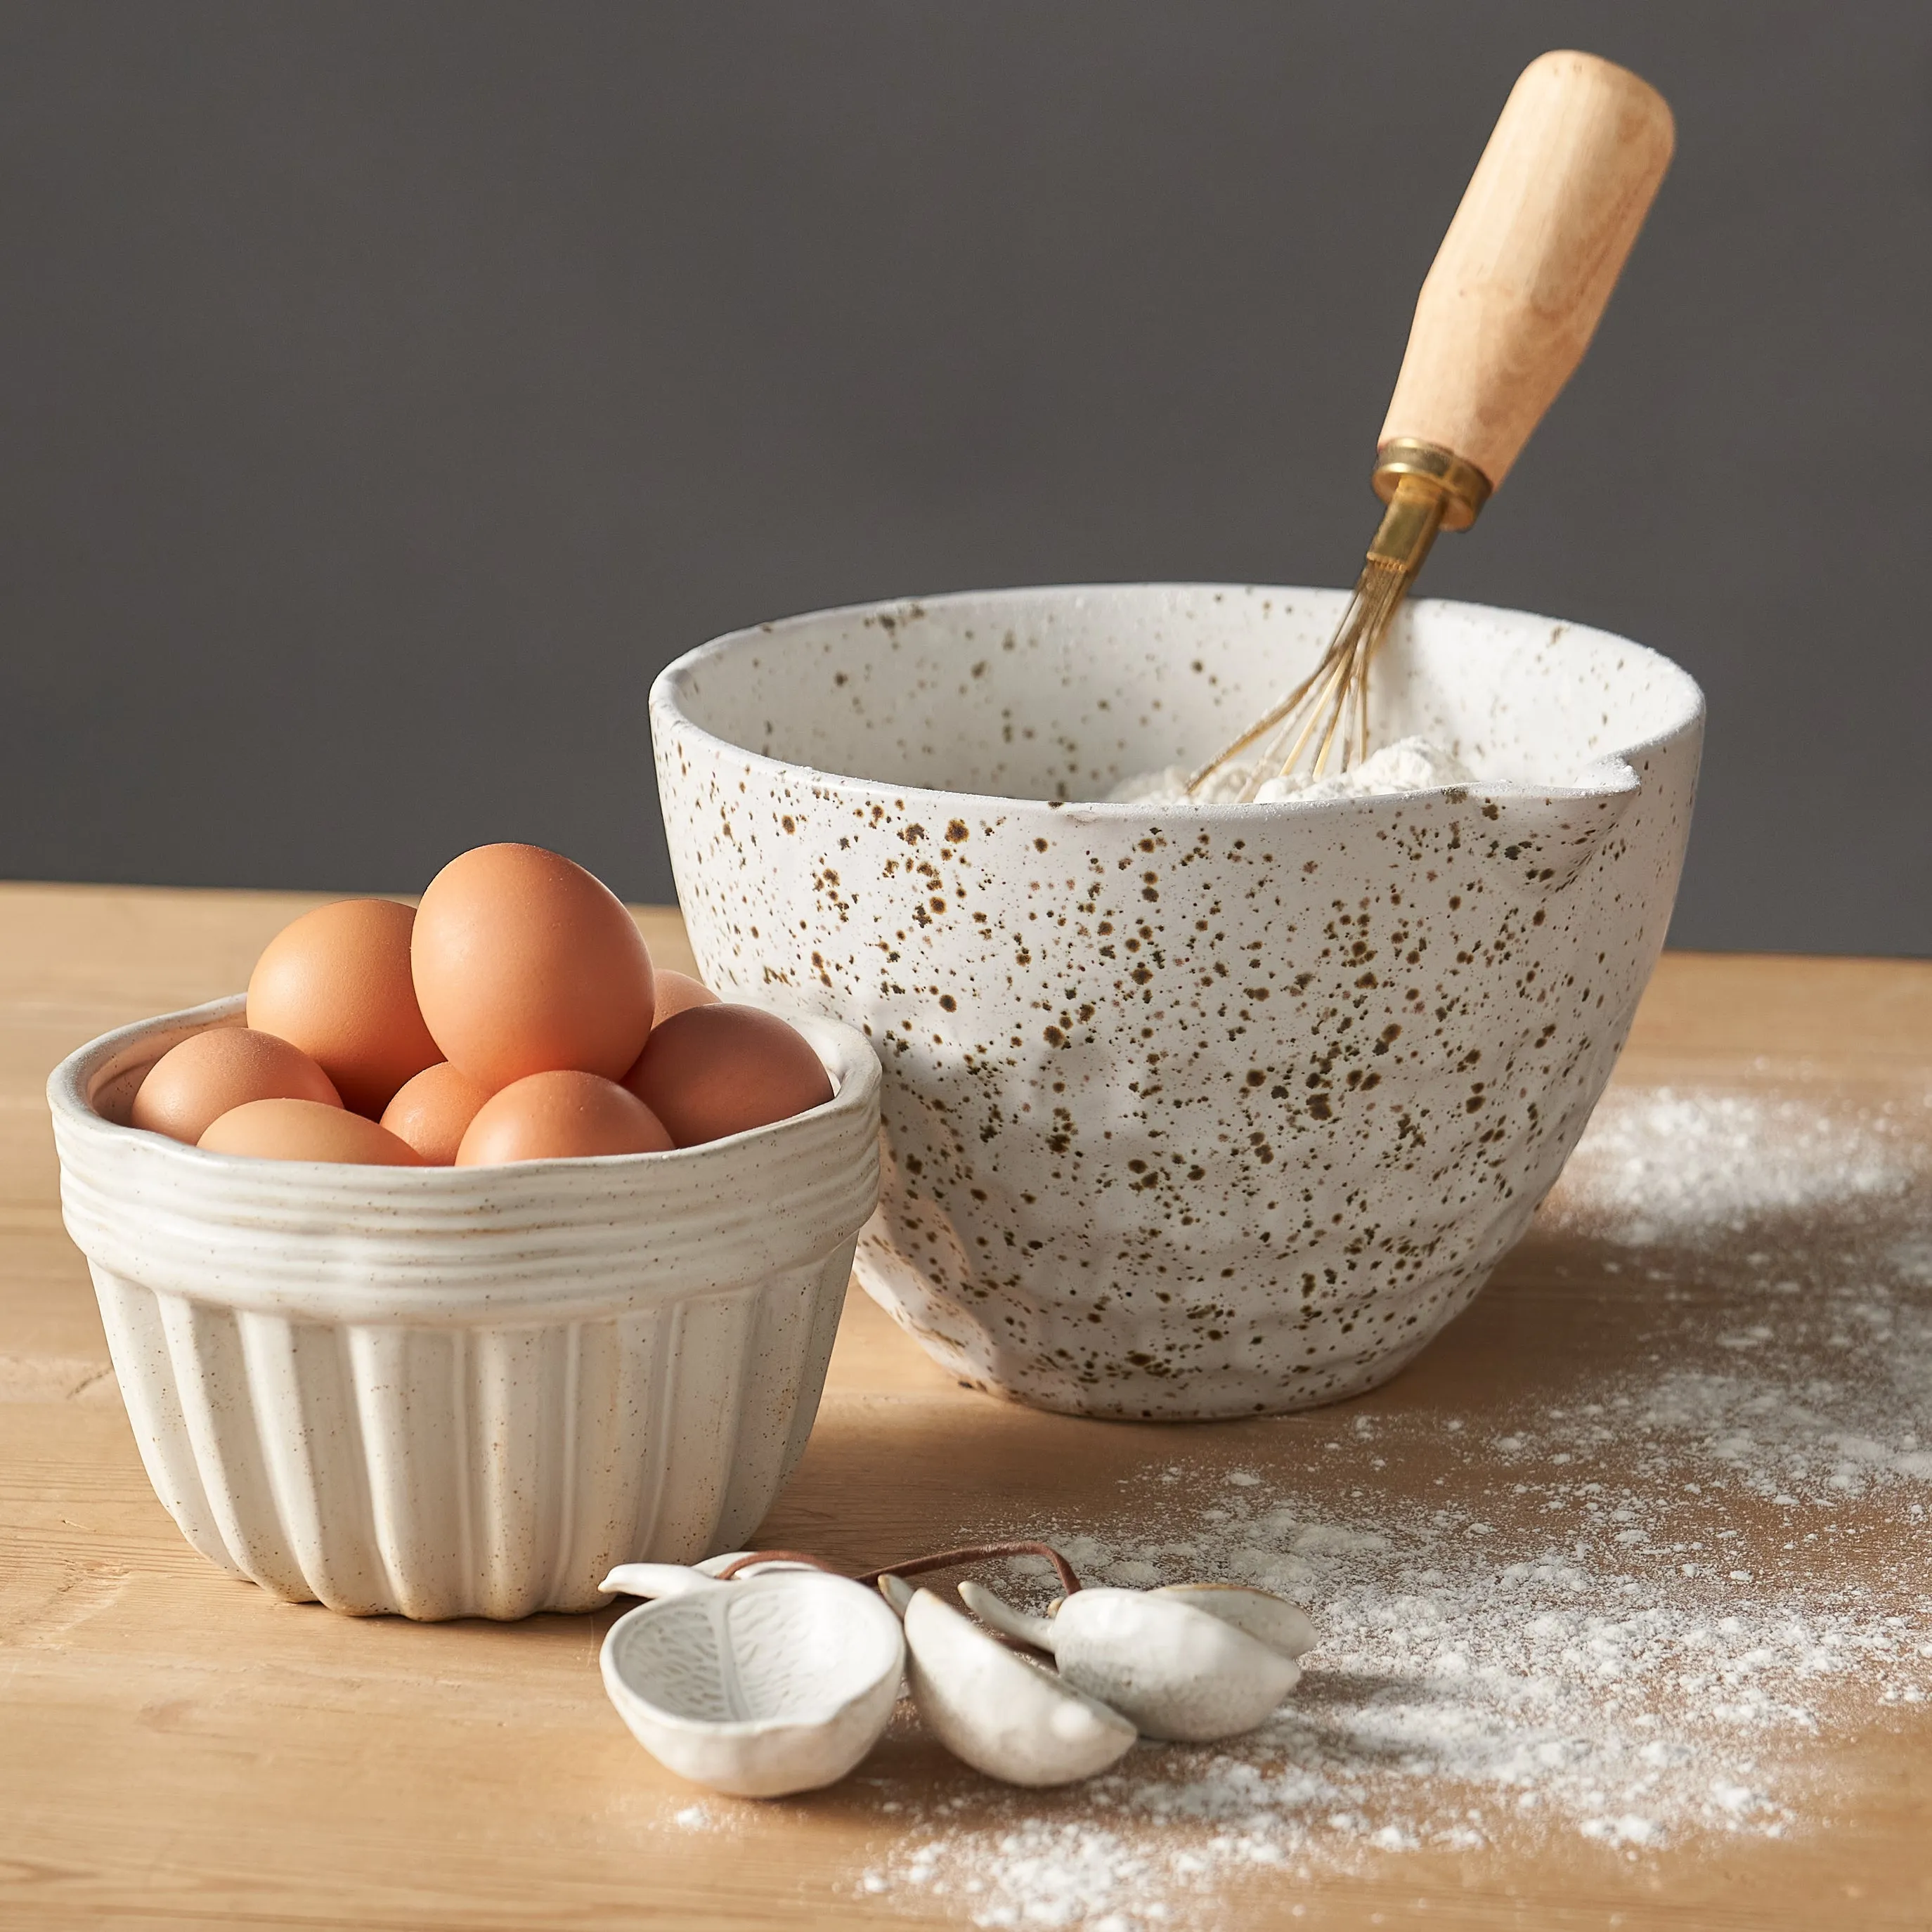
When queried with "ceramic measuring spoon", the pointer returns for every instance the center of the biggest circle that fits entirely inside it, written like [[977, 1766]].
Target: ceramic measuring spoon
[[652, 1580], [779, 1681], [1004, 1714], [1167, 1659], [1272, 1620]]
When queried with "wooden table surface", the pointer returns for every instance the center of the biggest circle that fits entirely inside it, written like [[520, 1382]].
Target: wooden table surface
[[175, 1747]]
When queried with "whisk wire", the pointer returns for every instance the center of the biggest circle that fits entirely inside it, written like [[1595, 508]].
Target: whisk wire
[[1266, 723], [1339, 661], [1331, 705], [1328, 711]]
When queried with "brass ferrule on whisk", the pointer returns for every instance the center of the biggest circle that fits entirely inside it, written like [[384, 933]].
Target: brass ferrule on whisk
[[1427, 489]]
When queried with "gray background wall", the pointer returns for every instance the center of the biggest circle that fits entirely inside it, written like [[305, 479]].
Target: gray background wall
[[387, 390]]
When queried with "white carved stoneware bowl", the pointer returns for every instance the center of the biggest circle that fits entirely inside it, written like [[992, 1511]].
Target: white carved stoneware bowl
[[1191, 1110], [464, 1391], [780, 1682]]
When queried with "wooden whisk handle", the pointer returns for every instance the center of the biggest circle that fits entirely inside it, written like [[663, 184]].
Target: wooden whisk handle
[[1529, 262]]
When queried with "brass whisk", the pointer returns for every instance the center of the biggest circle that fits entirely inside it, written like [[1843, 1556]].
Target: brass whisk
[[1504, 316]]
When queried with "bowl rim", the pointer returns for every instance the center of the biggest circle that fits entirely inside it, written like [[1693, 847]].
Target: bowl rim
[[622, 1690], [667, 688], [848, 1056]]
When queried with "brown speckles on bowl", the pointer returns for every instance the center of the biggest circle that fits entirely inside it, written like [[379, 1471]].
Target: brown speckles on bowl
[[1188, 1111]]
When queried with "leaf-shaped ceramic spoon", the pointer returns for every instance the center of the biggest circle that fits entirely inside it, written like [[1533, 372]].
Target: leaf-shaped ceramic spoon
[[1191, 1662], [1003, 1713], [781, 1682]]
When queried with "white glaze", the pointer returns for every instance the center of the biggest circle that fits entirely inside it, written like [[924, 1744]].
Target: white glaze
[[652, 1580], [1175, 1670], [1191, 1110], [463, 1391], [770, 1683], [1003, 1713], [1273, 1620]]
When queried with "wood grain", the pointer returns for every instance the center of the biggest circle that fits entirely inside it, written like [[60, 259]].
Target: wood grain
[[1542, 233], [177, 1750]]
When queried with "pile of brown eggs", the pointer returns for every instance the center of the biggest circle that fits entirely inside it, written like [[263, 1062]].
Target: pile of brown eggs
[[514, 1015]]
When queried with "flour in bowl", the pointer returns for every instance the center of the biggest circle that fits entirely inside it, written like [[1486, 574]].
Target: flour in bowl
[[1410, 764]]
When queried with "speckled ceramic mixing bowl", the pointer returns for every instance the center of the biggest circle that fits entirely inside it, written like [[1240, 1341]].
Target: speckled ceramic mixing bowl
[[463, 1391], [1190, 1110]]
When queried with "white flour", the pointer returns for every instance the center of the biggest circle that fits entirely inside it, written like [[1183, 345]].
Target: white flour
[[1410, 764], [1628, 1607]]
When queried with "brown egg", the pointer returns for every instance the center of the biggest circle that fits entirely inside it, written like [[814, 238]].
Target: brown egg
[[192, 1085], [432, 1111], [559, 1117], [716, 1070], [336, 984], [302, 1130], [525, 964], [677, 993]]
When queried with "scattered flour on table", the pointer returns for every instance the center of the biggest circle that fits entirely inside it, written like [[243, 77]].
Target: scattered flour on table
[[1662, 1164], [1625, 1620], [1410, 764]]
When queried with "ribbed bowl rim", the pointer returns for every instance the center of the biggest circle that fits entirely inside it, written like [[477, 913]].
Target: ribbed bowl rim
[[279, 1233]]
